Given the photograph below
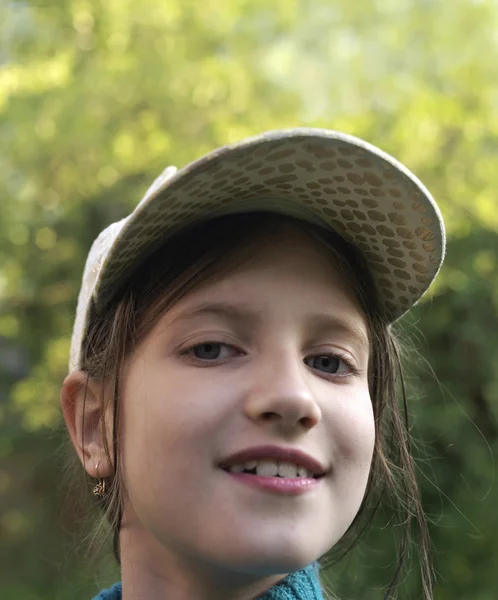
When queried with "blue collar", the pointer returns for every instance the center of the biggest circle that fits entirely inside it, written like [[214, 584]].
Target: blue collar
[[301, 585]]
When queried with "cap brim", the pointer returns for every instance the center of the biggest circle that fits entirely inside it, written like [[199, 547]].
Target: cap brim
[[316, 175]]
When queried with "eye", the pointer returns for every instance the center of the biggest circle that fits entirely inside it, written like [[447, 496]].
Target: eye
[[211, 351], [331, 365]]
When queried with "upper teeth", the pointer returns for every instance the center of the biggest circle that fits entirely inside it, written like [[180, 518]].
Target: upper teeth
[[271, 468]]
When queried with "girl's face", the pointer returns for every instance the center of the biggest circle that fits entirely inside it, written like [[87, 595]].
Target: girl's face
[[275, 353]]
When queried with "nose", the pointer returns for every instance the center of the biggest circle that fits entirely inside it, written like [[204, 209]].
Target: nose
[[281, 395]]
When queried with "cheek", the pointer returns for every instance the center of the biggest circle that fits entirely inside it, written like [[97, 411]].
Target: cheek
[[169, 415], [354, 429], [352, 435]]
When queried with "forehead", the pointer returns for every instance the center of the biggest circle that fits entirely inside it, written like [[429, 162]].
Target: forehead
[[284, 273], [288, 254]]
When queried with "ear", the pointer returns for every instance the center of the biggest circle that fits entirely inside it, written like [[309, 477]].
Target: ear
[[82, 402]]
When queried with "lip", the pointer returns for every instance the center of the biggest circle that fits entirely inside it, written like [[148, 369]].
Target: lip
[[291, 455], [276, 485]]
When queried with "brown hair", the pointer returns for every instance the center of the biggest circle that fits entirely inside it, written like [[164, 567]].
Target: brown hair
[[207, 251]]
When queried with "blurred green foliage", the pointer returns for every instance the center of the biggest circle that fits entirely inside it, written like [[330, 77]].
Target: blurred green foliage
[[96, 98]]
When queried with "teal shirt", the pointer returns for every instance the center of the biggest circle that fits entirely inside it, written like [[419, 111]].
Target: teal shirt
[[301, 585]]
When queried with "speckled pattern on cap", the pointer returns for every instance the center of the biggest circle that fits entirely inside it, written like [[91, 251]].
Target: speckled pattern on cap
[[320, 176]]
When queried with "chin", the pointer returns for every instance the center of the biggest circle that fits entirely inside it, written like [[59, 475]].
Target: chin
[[273, 557]]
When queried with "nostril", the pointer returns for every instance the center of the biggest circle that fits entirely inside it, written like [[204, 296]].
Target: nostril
[[268, 416], [308, 422]]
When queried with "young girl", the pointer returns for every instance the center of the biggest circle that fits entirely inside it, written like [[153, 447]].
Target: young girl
[[234, 380]]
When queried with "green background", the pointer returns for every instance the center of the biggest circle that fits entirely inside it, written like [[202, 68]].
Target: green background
[[96, 98]]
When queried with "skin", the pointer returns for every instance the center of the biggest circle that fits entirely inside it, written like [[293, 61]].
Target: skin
[[190, 531]]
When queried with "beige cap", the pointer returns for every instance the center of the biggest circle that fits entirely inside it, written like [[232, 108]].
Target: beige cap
[[316, 175]]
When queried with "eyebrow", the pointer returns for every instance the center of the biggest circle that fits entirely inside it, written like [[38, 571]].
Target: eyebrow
[[249, 317]]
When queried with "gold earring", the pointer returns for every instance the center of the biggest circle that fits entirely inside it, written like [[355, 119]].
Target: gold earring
[[99, 488]]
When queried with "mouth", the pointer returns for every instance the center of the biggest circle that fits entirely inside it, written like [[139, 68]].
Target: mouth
[[274, 461], [273, 477], [273, 469]]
